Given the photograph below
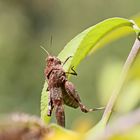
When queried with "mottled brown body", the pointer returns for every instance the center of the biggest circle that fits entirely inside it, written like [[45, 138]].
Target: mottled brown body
[[61, 91]]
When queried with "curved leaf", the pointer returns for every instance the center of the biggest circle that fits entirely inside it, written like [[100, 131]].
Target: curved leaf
[[83, 43], [80, 47], [44, 104], [117, 34]]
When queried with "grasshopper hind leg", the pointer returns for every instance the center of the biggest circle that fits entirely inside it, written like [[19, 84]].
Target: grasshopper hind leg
[[86, 110]]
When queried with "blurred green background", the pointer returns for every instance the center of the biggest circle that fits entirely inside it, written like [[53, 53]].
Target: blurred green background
[[27, 24]]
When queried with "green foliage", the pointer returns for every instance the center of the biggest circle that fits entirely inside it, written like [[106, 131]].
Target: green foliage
[[79, 48], [22, 60], [82, 44]]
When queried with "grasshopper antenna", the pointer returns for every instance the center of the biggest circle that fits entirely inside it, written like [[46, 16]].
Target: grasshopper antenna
[[50, 46], [66, 60], [44, 50], [51, 41]]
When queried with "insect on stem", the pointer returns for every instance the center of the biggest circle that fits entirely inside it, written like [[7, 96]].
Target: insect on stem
[[61, 91]]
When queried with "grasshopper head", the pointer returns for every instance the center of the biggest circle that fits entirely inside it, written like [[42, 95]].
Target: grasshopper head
[[53, 61]]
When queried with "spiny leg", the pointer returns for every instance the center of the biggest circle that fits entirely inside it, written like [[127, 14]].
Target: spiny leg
[[85, 109], [60, 114], [73, 71], [71, 92], [50, 105], [50, 109]]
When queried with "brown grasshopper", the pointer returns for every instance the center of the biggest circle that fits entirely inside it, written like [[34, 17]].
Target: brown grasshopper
[[60, 90]]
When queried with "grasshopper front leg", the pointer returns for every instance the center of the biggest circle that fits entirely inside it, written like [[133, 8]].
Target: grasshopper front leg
[[50, 104]]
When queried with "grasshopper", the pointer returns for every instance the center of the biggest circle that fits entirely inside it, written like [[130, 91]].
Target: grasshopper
[[60, 90]]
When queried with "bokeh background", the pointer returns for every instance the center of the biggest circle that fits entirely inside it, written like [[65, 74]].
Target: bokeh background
[[27, 24]]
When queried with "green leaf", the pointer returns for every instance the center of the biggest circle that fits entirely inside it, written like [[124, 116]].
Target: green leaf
[[118, 33], [44, 104], [96, 131], [81, 46]]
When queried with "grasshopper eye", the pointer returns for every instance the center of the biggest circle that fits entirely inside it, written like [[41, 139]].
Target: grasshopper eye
[[51, 59], [58, 61]]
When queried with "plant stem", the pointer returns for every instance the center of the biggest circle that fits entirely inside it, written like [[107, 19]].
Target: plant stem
[[129, 61]]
